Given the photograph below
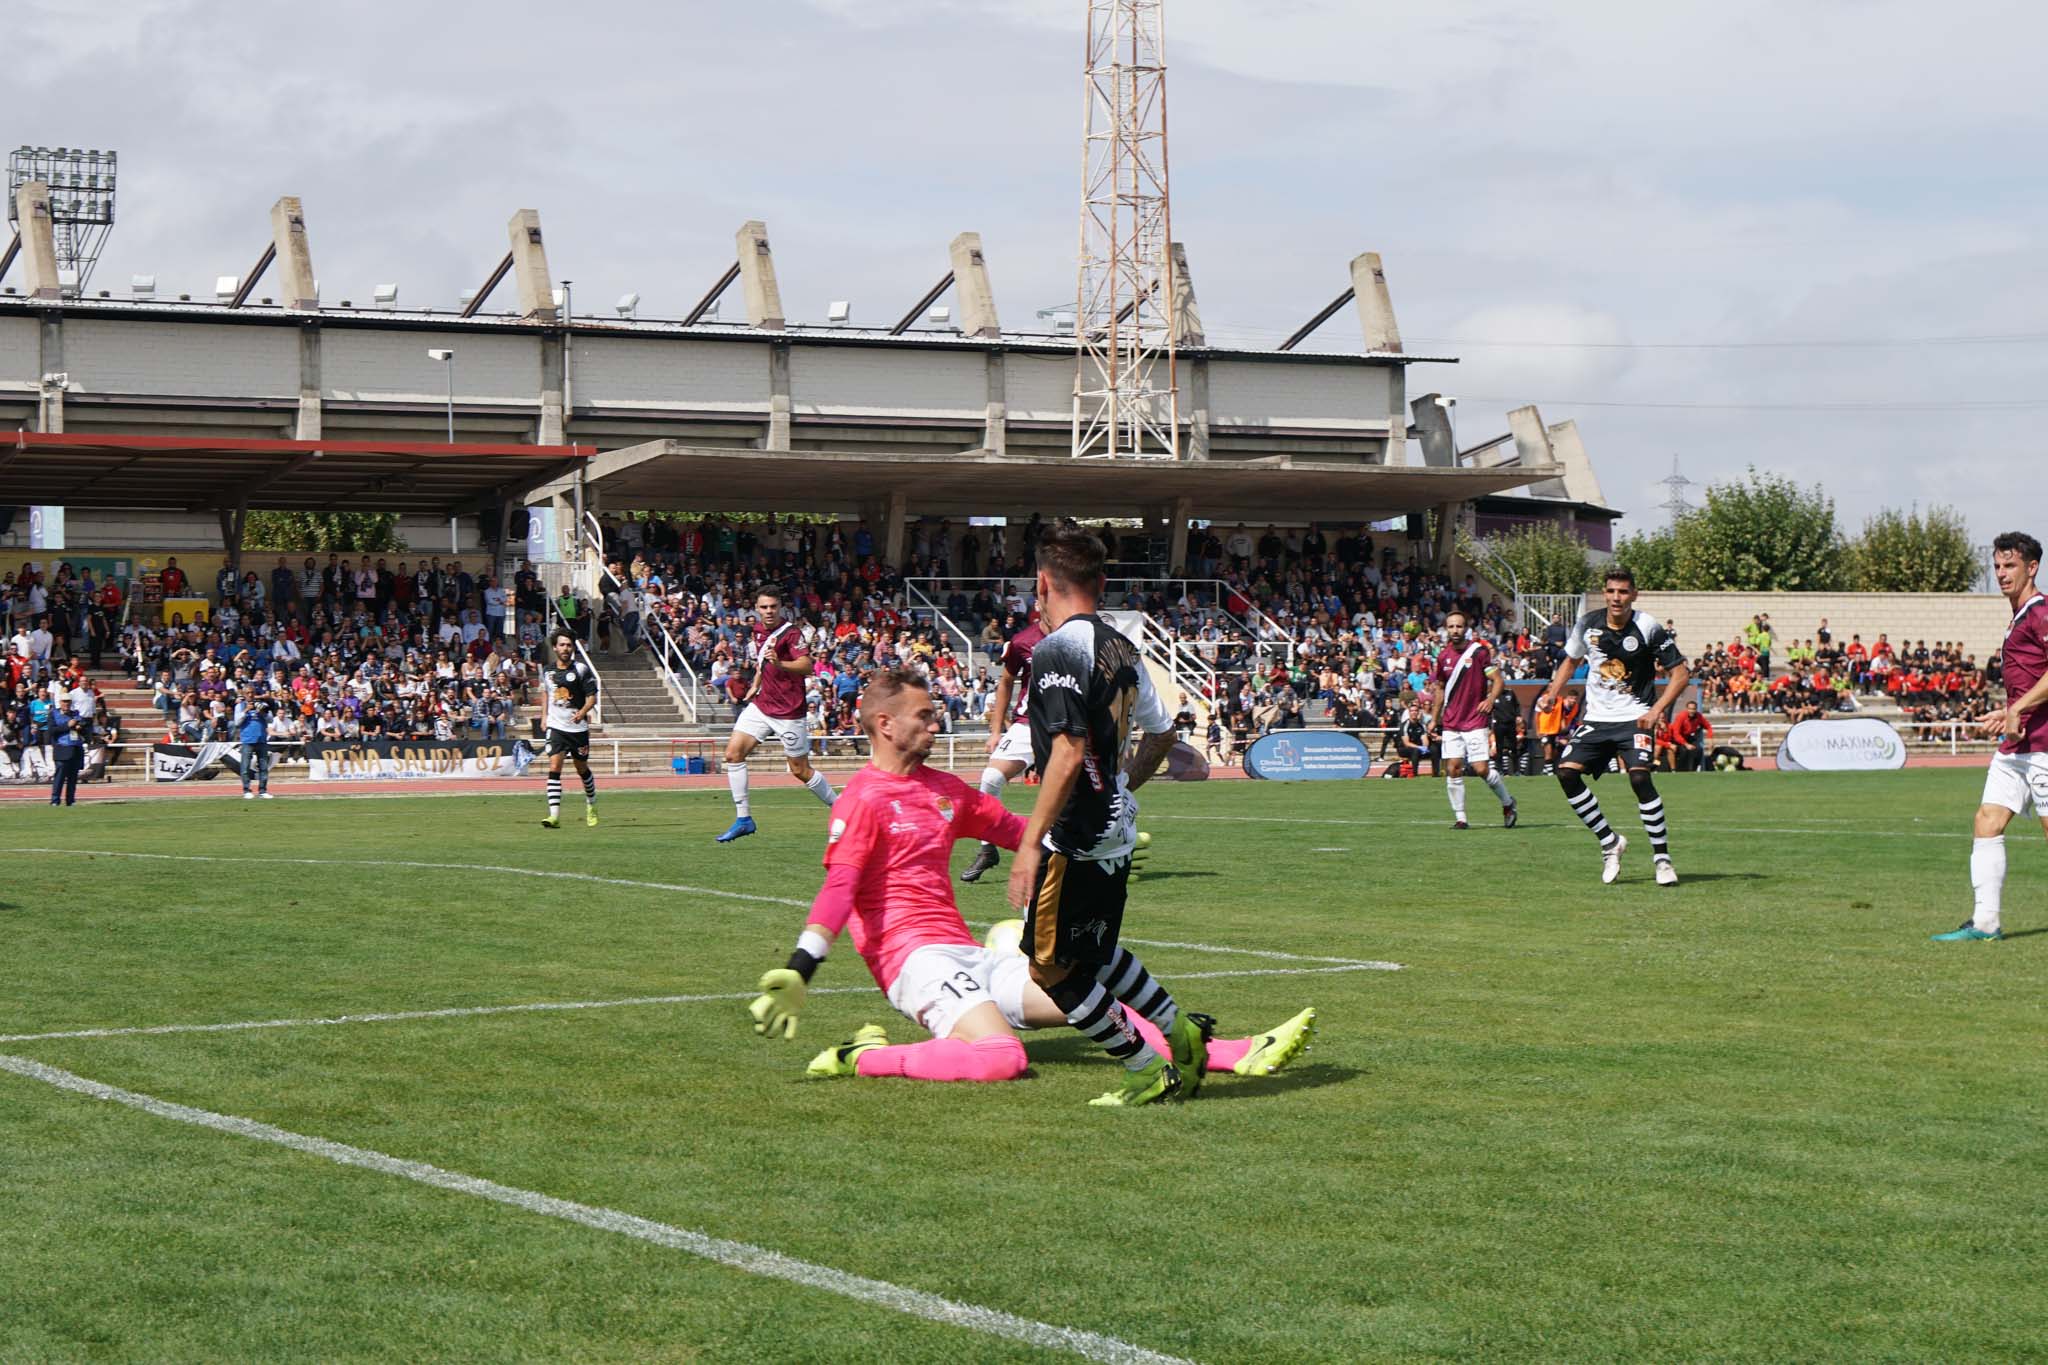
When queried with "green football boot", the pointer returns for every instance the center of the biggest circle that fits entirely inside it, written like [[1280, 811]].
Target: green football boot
[[842, 1060], [1158, 1080]]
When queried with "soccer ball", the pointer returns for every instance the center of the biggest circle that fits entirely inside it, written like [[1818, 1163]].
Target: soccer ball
[[1006, 936], [1144, 839]]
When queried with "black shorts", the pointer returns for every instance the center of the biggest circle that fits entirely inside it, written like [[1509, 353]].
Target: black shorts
[[1591, 746], [569, 744], [1076, 911]]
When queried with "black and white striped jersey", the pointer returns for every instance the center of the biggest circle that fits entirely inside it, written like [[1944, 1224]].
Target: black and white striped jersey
[[1087, 679], [568, 689], [1621, 664]]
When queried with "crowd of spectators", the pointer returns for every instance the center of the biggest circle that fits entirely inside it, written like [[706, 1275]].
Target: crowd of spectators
[[1822, 675]]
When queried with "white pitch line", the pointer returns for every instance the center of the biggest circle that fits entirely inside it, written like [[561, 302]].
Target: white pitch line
[[738, 1255], [567, 1006], [1719, 829]]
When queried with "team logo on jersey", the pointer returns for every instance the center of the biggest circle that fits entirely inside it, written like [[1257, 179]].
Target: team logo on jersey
[[1614, 670], [1629, 643], [838, 828], [1066, 680], [945, 806]]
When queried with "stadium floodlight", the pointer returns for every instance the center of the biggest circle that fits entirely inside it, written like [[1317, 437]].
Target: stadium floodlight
[[939, 316], [386, 295], [629, 305], [68, 283], [440, 353], [462, 299], [81, 202], [225, 287], [447, 356], [1444, 400], [142, 286], [838, 311]]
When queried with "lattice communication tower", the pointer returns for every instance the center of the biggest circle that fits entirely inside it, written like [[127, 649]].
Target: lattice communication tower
[[81, 202], [1125, 399]]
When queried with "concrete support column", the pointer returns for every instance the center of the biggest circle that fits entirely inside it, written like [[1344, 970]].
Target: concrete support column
[[886, 518], [1197, 408], [1448, 517], [1179, 514], [1433, 425], [51, 354], [995, 433], [38, 241], [1375, 305], [297, 288], [971, 288], [530, 267], [1187, 314], [1397, 416], [757, 276], [778, 396], [553, 417], [311, 413], [232, 523]]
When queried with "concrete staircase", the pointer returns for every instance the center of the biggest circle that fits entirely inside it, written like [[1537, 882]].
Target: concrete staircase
[[636, 699]]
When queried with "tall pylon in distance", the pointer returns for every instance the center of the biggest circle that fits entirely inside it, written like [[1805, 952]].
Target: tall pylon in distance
[[1126, 402]]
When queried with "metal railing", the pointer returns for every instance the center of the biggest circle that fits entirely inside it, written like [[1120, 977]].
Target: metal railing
[[945, 622], [669, 659]]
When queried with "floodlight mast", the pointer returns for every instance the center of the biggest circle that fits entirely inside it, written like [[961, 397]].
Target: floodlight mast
[[1126, 401], [81, 201]]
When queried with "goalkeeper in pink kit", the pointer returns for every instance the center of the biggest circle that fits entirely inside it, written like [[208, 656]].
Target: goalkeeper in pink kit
[[887, 882]]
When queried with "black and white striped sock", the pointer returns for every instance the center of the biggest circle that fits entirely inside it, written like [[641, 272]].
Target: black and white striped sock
[[554, 796], [590, 788], [1102, 1020], [1652, 812], [1586, 806], [1127, 980]]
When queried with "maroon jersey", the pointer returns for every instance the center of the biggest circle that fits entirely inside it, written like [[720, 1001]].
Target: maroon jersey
[[1464, 704], [2025, 655], [782, 692], [1017, 663]]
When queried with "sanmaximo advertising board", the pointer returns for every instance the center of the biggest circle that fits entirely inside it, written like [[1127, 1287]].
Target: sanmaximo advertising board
[[1853, 744], [1307, 756]]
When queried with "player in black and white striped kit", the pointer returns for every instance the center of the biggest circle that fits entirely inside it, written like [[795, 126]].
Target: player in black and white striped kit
[[1622, 648], [572, 694]]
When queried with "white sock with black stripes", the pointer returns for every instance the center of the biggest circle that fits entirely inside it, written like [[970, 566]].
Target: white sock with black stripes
[[589, 788], [1102, 1020], [1586, 806], [554, 796]]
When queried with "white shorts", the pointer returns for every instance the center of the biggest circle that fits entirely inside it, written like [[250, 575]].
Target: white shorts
[[1469, 745], [1014, 747], [794, 734], [2017, 779], [942, 981]]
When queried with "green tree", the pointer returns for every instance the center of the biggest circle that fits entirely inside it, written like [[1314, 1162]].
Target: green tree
[[1762, 534], [1909, 552], [1652, 556], [340, 532], [1537, 556]]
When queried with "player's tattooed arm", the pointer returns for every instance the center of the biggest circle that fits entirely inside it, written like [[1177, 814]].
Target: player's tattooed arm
[[1145, 759]]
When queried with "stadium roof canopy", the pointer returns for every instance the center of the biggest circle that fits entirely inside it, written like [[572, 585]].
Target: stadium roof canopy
[[672, 476], [196, 474]]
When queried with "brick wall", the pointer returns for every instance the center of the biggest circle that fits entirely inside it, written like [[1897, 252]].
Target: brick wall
[[1706, 618]]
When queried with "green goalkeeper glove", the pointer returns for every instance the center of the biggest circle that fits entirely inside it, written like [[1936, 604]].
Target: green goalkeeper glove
[[775, 1008]]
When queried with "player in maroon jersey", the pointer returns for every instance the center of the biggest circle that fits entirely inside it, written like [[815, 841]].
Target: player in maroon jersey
[[1466, 685], [2019, 770], [1009, 750], [774, 709]]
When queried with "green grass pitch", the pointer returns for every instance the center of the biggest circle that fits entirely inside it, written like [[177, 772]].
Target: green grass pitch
[[1757, 1116]]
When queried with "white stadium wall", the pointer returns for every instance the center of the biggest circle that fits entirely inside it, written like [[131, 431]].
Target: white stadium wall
[[359, 364], [862, 381], [183, 359], [1256, 394], [708, 376], [1039, 388], [21, 354]]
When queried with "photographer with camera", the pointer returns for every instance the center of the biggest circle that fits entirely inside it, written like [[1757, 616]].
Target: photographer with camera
[[252, 728]]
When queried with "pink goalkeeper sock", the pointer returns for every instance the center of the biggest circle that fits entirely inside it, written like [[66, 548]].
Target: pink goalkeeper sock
[[1223, 1052], [1000, 1058]]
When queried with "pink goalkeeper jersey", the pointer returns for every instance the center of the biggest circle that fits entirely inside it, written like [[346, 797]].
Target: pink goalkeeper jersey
[[1465, 704], [782, 692], [899, 832], [2025, 656]]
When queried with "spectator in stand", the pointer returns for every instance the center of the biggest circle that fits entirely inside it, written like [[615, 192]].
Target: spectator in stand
[[1689, 735]]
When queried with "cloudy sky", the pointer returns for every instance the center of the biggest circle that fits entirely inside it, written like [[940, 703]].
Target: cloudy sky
[[1641, 216]]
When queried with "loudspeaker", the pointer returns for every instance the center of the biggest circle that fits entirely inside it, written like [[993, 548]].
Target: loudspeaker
[[6, 519], [522, 523]]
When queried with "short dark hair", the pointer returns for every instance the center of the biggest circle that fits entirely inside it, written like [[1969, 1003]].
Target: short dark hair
[[2022, 544], [769, 590], [884, 687], [1071, 554], [1617, 573], [561, 633]]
